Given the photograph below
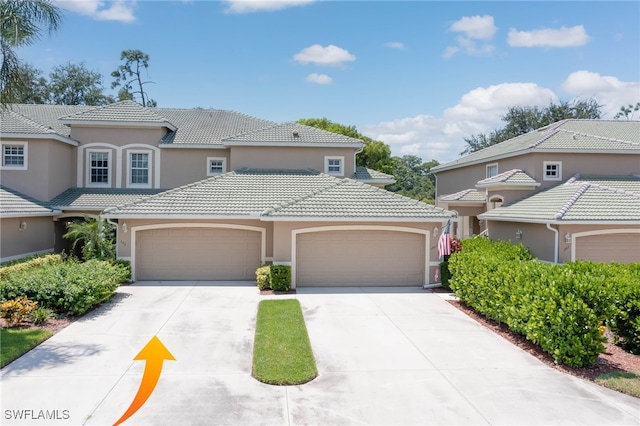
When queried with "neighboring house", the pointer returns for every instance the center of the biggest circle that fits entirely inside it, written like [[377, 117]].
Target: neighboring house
[[568, 191], [210, 195]]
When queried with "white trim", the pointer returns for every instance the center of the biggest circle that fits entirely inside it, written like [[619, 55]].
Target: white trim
[[23, 255], [544, 170], [25, 155], [134, 229], [224, 165], [276, 219], [327, 158], [83, 169], [487, 170], [88, 182], [149, 167], [295, 232], [191, 146], [556, 222], [577, 235]]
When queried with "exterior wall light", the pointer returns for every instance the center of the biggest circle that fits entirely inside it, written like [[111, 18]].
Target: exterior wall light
[[435, 231], [23, 226], [519, 234], [124, 227], [567, 238]]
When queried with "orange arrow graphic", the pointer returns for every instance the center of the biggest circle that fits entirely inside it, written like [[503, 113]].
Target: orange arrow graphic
[[154, 353]]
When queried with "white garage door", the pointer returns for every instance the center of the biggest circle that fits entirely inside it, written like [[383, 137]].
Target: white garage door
[[621, 248], [364, 258], [197, 254]]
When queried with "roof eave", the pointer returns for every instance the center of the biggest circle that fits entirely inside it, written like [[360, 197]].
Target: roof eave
[[4, 136], [191, 146], [26, 214], [376, 181], [353, 219], [109, 123], [560, 222], [507, 185], [299, 144]]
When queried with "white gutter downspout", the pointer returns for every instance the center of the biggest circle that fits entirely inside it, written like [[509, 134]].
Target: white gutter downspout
[[555, 242], [354, 158]]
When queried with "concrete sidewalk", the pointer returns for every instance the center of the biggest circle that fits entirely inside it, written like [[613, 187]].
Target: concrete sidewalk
[[385, 356]]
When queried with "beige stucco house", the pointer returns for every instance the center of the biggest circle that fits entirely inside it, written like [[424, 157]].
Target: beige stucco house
[[209, 195], [568, 191]]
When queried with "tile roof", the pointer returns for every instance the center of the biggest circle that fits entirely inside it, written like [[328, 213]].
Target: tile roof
[[13, 122], [279, 193], [119, 112], [466, 195], [567, 135], [207, 126], [98, 198], [580, 199], [514, 177], [370, 175], [14, 203], [48, 115], [293, 133]]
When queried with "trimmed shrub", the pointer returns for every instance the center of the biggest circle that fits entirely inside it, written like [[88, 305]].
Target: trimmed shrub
[[560, 308], [280, 277], [67, 288], [625, 321], [445, 274], [17, 310], [33, 262], [263, 278]]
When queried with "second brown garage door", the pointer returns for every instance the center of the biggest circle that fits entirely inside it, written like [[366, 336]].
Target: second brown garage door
[[197, 254], [363, 258]]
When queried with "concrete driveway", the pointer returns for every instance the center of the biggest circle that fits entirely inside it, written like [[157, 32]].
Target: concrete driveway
[[385, 356]]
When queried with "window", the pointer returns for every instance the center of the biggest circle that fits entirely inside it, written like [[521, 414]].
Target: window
[[552, 170], [334, 166], [492, 170], [139, 169], [99, 168], [14, 156], [216, 165]]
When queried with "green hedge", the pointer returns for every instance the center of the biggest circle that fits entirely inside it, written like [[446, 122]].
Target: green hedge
[[274, 277], [66, 288], [562, 308]]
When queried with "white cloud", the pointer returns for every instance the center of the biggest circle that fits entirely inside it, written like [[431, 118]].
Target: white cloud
[[395, 45], [319, 78], [476, 27], [549, 37], [442, 137], [476, 32], [319, 55], [609, 91], [118, 10], [249, 6]]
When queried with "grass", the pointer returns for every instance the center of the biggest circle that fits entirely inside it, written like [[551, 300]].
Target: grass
[[282, 352], [623, 381], [18, 341]]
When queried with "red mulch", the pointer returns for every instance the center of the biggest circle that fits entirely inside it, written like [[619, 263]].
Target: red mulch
[[272, 292], [614, 358]]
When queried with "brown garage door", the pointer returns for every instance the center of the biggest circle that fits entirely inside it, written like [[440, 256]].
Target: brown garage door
[[197, 254], [364, 258], [621, 248]]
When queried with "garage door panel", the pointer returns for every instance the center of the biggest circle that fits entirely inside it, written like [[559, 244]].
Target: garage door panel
[[197, 254], [339, 258], [619, 247]]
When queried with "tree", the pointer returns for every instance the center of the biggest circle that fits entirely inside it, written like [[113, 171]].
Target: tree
[[31, 86], [414, 178], [72, 84], [20, 25], [128, 77], [520, 120], [97, 238], [628, 112], [375, 154]]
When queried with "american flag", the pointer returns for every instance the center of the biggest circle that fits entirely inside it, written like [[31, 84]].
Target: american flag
[[444, 243]]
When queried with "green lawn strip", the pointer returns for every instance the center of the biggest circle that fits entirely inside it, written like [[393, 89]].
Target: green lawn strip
[[282, 352], [15, 342], [623, 381]]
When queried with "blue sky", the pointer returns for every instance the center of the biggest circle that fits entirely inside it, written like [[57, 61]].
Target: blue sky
[[418, 75]]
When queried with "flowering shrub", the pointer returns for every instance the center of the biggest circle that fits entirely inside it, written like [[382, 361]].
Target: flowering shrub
[[456, 245]]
